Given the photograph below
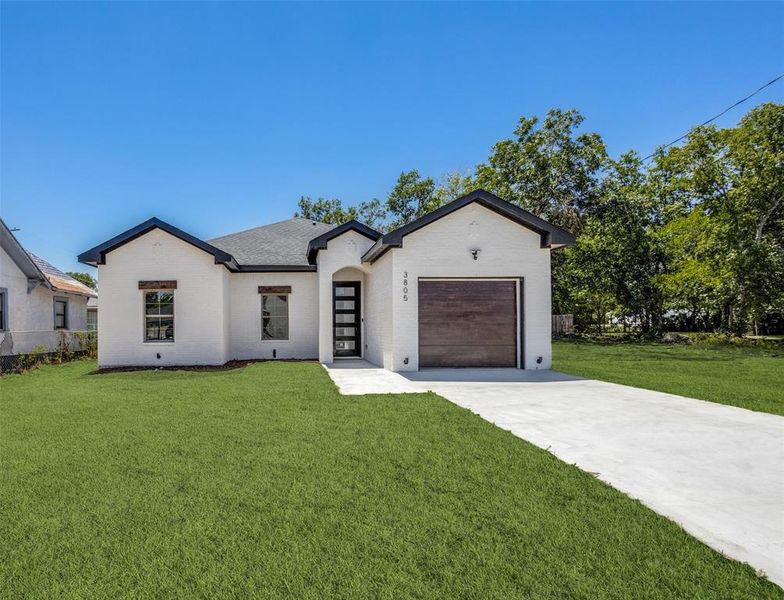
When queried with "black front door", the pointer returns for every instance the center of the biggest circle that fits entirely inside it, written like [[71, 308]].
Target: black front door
[[346, 318]]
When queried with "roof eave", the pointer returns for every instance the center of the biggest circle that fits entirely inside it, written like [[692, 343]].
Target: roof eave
[[275, 268], [97, 255], [22, 259], [54, 288]]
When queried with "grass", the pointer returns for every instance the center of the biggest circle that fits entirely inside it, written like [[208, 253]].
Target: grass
[[265, 482], [739, 376]]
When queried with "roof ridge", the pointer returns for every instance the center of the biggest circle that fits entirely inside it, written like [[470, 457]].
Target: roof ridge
[[270, 225]]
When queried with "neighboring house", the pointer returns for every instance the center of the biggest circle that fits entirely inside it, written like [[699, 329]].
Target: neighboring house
[[466, 285], [37, 300], [92, 314]]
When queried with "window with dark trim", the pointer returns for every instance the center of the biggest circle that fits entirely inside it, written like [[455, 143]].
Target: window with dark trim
[[159, 315], [61, 313], [3, 309], [274, 316]]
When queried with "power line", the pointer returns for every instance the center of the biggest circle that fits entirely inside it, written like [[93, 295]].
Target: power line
[[725, 111]]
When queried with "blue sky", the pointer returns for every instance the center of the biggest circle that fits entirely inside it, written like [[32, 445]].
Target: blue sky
[[216, 117]]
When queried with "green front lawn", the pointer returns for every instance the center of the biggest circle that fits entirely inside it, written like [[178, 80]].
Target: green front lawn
[[265, 482], [746, 377]]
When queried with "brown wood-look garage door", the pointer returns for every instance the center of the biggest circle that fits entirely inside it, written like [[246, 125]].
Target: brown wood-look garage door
[[467, 323]]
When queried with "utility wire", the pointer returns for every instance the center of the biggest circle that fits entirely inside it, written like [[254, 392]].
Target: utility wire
[[725, 111]]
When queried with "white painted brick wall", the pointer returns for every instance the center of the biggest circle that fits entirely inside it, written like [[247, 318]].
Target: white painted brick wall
[[378, 312], [200, 313], [245, 330]]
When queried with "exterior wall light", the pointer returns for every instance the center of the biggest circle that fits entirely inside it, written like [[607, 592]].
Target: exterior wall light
[[475, 253]]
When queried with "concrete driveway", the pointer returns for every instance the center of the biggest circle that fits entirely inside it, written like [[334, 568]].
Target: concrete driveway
[[718, 471]]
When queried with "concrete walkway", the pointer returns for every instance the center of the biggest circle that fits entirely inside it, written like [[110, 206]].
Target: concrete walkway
[[718, 471]]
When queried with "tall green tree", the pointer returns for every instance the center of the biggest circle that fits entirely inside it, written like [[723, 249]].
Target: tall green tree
[[549, 167], [754, 213], [733, 179], [412, 197], [696, 273], [613, 267]]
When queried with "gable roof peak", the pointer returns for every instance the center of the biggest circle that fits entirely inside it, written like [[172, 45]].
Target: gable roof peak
[[552, 236], [97, 255], [320, 242]]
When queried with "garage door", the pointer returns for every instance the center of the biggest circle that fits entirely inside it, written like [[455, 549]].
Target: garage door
[[468, 323]]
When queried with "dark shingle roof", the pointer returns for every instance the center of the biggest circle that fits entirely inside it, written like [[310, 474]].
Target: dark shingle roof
[[282, 243], [47, 267]]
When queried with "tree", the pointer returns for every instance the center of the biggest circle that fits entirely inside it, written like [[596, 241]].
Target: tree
[[84, 278], [453, 185], [696, 274], [371, 212], [618, 257], [734, 179], [553, 171], [547, 168], [412, 197], [324, 210], [754, 211]]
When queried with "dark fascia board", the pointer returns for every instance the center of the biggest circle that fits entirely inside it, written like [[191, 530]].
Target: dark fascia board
[[97, 256], [275, 268], [551, 235], [21, 258], [320, 243]]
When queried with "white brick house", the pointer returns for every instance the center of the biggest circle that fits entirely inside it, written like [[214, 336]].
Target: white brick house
[[466, 285]]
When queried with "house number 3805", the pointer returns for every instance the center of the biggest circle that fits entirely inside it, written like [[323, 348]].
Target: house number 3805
[[405, 286]]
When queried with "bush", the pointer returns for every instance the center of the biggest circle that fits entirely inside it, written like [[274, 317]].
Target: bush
[[728, 339], [88, 342]]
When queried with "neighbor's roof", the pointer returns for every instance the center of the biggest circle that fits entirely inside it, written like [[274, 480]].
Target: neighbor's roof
[[282, 243], [20, 256], [59, 280], [37, 270]]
